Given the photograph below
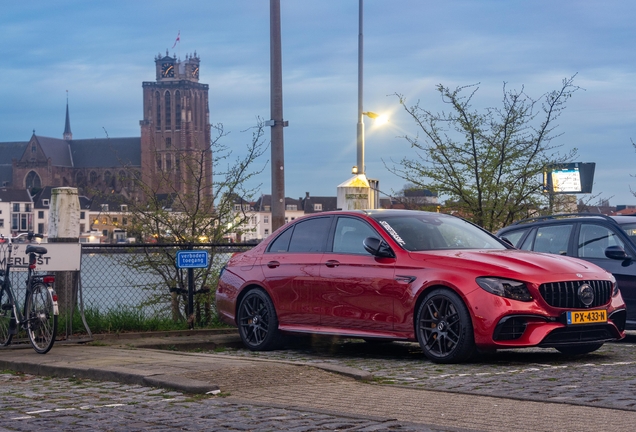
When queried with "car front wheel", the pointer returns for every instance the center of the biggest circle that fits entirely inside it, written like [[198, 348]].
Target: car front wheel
[[257, 322], [444, 328]]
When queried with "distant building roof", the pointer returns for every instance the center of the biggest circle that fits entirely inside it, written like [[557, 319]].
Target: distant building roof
[[43, 194], [14, 195], [106, 152], [326, 203], [56, 149], [264, 203], [11, 150]]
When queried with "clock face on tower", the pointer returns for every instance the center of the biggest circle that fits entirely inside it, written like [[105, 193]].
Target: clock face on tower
[[195, 72], [167, 70]]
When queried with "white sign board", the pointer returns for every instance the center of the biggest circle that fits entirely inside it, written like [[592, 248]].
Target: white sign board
[[566, 180], [59, 257]]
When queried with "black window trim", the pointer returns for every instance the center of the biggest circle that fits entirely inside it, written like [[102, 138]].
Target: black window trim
[[293, 227], [332, 232], [614, 226], [629, 250]]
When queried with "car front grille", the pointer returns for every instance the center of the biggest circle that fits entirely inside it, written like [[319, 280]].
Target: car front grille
[[564, 294], [580, 334]]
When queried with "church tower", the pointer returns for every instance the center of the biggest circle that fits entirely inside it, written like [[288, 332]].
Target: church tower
[[175, 130], [68, 135]]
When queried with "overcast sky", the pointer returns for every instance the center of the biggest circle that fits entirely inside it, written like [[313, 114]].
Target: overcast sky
[[101, 52]]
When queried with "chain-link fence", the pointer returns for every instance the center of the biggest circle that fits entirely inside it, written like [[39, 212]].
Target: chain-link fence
[[145, 277], [131, 281]]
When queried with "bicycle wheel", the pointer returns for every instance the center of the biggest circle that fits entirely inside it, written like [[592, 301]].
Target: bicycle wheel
[[7, 319], [42, 321]]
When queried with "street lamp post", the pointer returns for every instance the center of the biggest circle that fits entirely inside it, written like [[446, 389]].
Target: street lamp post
[[359, 192], [360, 134]]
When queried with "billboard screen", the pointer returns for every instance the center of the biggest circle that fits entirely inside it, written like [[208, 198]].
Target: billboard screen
[[569, 178]]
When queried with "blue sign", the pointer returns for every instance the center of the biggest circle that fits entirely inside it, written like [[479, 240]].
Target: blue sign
[[192, 259]]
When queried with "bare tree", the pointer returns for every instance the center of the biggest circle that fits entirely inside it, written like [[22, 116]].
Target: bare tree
[[187, 205], [488, 164]]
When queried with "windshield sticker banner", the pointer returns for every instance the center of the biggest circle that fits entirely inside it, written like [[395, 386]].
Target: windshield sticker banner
[[392, 232]]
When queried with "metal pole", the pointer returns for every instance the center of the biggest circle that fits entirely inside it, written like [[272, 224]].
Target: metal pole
[[360, 135], [276, 96], [190, 293]]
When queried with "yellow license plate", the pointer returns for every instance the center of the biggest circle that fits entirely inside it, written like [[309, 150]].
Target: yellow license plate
[[586, 317]]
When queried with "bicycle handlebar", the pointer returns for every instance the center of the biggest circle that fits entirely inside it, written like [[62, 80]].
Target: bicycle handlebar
[[29, 235]]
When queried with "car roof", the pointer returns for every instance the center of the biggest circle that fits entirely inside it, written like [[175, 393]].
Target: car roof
[[564, 217], [380, 212], [622, 220]]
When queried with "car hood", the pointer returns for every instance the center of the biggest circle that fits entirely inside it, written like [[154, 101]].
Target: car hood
[[512, 263]]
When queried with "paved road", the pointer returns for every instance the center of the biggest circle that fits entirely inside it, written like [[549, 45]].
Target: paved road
[[56, 404], [273, 391], [606, 378]]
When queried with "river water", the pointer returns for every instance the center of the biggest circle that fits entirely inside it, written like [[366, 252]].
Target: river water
[[108, 282]]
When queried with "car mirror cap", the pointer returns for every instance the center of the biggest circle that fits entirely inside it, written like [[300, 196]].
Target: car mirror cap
[[378, 247], [618, 253]]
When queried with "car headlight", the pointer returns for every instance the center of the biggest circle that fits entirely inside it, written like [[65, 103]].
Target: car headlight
[[615, 289], [508, 288]]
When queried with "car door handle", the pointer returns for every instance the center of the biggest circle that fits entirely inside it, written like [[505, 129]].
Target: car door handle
[[332, 263], [273, 264]]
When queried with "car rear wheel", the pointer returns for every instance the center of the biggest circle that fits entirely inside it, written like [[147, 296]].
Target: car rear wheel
[[257, 322], [579, 349], [444, 328]]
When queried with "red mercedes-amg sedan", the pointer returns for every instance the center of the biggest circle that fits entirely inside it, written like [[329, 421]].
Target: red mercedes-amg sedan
[[415, 276]]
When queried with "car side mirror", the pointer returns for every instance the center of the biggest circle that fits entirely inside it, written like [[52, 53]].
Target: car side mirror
[[507, 241], [618, 253], [378, 247]]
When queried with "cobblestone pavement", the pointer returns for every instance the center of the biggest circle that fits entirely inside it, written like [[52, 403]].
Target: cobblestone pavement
[[605, 378], [56, 404]]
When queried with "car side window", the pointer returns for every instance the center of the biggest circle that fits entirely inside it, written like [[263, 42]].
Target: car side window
[[281, 243], [310, 235], [349, 235], [553, 239], [594, 239], [515, 236], [630, 230]]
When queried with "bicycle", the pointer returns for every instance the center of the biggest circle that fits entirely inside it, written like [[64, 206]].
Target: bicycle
[[40, 312]]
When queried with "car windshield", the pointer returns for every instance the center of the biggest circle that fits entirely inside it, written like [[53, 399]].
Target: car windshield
[[430, 231], [630, 230]]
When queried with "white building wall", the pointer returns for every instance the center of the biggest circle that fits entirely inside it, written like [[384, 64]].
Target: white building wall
[[259, 224], [5, 219]]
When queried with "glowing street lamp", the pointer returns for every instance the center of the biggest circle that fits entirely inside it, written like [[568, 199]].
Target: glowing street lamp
[[379, 119], [359, 192]]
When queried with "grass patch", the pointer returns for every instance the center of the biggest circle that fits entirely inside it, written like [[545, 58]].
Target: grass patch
[[123, 319]]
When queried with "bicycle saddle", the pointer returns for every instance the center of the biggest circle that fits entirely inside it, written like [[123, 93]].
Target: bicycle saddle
[[35, 249]]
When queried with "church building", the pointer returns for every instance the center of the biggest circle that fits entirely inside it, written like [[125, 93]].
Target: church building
[[175, 131]]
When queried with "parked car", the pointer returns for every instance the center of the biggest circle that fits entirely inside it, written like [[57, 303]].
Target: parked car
[[608, 242], [415, 276]]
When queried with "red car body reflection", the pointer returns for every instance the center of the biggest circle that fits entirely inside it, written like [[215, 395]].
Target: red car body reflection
[[416, 276]]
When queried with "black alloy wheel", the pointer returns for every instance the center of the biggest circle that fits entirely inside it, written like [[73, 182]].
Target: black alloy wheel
[[257, 322], [444, 328]]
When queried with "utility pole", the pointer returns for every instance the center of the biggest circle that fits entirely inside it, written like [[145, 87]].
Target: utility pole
[[360, 130], [277, 123]]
